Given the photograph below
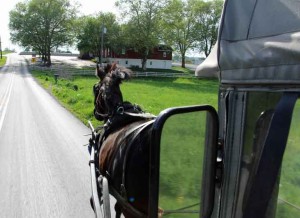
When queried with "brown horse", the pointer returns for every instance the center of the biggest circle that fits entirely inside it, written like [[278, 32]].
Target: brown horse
[[123, 143]]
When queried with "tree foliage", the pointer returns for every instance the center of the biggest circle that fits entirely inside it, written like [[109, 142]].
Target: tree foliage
[[208, 17], [89, 33], [179, 26], [142, 27], [191, 24], [42, 25]]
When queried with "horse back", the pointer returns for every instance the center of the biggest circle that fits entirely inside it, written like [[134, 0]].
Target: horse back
[[124, 160], [114, 147]]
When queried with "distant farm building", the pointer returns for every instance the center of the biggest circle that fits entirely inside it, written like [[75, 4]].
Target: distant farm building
[[159, 58]]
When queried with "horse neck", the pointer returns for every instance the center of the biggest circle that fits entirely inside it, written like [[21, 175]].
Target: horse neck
[[117, 102]]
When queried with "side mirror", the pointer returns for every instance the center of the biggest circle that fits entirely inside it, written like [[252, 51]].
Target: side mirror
[[183, 162]]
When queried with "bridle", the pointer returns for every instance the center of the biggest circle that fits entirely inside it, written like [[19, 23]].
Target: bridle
[[98, 103], [108, 99]]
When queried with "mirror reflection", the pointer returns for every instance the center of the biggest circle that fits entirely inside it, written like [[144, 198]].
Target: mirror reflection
[[181, 163]]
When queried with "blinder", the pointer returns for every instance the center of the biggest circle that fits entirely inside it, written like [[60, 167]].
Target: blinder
[[96, 91]]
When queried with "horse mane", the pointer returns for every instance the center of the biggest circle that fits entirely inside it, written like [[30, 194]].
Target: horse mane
[[112, 67], [115, 70]]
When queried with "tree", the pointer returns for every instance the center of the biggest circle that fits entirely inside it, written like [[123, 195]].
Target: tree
[[208, 17], [179, 26], [191, 24], [89, 33], [142, 27], [43, 25]]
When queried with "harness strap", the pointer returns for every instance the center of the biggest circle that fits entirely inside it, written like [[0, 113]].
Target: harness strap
[[271, 158], [142, 115], [96, 113], [124, 203], [103, 134], [136, 128], [140, 129]]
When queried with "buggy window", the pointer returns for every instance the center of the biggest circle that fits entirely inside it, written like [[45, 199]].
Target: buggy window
[[288, 204], [258, 116]]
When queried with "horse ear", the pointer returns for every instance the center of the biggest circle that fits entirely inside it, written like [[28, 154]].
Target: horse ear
[[113, 66], [100, 72], [107, 68]]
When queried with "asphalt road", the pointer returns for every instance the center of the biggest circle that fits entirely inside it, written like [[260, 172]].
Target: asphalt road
[[44, 168]]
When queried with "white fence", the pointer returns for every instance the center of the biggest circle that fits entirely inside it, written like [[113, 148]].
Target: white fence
[[161, 74], [65, 72]]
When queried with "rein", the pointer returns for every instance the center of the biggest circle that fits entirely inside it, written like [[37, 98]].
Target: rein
[[121, 193], [98, 103], [124, 114]]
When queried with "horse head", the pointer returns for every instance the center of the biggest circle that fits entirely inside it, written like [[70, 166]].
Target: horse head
[[107, 92]]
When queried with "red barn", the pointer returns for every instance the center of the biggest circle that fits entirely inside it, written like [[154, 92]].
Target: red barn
[[160, 57]]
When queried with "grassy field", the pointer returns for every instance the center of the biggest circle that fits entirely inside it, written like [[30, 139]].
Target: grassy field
[[289, 189], [2, 61], [152, 94]]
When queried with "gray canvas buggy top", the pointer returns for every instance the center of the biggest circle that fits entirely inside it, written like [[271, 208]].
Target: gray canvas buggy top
[[258, 43], [257, 61]]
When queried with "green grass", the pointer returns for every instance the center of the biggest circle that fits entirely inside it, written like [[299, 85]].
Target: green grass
[[3, 61], [4, 58], [156, 94], [183, 70], [289, 189], [152, 94]]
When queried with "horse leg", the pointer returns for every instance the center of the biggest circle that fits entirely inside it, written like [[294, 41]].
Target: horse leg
[[118, 210]]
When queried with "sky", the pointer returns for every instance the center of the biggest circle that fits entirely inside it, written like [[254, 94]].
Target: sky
[[88, 7]]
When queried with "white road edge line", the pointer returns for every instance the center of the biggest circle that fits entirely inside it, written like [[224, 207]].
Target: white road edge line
[[6, 97]]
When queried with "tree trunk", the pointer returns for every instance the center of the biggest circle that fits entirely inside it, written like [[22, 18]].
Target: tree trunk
[[144, 63], [48, 58], [43, 58], [183, 60]]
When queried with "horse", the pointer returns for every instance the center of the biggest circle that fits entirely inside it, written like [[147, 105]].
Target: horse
[[123, 142]]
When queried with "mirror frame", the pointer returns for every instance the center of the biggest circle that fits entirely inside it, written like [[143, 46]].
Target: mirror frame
[[209, 161]]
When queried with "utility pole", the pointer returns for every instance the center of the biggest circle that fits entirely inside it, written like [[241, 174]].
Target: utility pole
[[103, 31]]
